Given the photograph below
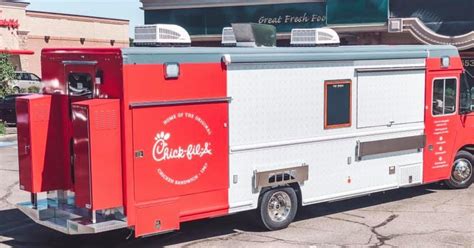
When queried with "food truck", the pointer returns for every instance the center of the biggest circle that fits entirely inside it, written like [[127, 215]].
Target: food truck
[[147, 138]]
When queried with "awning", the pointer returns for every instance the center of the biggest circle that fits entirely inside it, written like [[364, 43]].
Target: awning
[[17, 52]]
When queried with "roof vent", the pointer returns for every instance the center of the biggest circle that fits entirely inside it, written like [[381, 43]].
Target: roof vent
[[254, 35], [228, 37], [161, 35], [314, 37]]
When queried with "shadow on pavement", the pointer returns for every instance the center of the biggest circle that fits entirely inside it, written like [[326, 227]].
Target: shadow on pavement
[[20, 231]]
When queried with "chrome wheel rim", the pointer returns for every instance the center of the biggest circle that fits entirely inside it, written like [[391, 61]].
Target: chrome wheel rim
[[462, 171], [279, 206]]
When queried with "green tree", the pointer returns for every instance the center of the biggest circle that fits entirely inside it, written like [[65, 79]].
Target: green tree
[[6, 74]]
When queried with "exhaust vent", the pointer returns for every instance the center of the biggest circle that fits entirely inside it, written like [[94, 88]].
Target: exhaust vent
[[314, 37], [254, 35], [161, 35]]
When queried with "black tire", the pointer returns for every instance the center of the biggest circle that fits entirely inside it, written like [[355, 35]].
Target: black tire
[[462, 172], [283, 213], [16, 90]]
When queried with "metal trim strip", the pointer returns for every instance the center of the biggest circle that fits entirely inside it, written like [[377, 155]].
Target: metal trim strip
[[390, 145], [180, 102], [74, 62], [387, 69]]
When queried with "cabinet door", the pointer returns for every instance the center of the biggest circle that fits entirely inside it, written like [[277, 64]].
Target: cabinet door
[[390, 98]]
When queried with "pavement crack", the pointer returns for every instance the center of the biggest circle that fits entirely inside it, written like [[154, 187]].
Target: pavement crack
[[382, 239], [237, 237], [9, 192], [425, 233], [435, 207], [349, 221], [370, 239], [354, 215]]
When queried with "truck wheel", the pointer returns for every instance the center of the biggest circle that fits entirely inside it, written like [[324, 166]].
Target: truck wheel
[[16, 90], [462, 173], [278, 208]]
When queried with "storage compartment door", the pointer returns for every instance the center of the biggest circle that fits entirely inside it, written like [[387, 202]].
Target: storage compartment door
[[181, 150], [33, 124], [97, 154], [390, 98]]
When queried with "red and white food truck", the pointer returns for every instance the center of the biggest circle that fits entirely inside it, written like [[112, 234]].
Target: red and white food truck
[[148, 138]]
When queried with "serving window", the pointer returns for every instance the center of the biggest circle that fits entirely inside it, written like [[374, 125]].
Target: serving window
[[337, 104]]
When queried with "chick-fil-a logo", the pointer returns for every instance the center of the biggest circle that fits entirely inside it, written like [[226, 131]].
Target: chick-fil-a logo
[[163, 151]]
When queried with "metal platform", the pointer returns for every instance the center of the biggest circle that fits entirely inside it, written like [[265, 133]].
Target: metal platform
[[68, 219]]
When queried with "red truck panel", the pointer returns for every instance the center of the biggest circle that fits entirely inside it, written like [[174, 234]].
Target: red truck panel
[[97, 148], [181, 153], [147, 83], [36, 174], [446, 134]]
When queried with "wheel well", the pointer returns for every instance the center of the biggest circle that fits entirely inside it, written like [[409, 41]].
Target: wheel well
[[295, 186], [468, 148]]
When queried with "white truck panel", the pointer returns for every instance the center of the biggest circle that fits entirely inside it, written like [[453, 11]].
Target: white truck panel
[[390, 98], [277, 119]]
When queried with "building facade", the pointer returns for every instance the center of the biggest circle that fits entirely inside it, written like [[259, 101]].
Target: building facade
[[24, 33], [356, 21]]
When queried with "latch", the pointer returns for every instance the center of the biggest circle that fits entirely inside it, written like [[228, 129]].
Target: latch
[[139, 154], [391, 170], [158, 224], [27, 149], [390, 123]]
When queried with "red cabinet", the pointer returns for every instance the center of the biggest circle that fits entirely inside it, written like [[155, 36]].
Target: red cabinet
[[97, 154], [33, 120]]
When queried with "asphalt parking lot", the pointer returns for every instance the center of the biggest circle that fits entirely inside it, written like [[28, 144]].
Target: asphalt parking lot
[[425, 216]]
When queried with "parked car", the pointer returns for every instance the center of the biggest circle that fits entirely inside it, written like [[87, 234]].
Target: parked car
[[8, 109], [23, 81]]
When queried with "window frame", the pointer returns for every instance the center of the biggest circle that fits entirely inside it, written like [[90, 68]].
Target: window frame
[[457, 96], [334, 82]]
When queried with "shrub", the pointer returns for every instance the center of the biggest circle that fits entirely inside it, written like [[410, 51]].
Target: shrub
[[2, 128], [6, 74], [33, 89]]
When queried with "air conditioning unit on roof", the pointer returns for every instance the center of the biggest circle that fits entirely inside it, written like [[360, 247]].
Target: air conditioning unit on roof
[[314, 37], [161, 35]]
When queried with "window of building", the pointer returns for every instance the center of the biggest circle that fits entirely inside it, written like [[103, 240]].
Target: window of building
[[444, 96], [337, 104]]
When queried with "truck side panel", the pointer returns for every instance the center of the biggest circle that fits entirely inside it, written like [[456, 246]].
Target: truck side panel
[[277, 121], [179, 129]]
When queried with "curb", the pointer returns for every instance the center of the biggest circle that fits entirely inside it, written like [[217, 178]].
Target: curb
[[8, 138]]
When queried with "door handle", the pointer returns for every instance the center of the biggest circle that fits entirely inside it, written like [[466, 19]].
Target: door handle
[[27, 149]]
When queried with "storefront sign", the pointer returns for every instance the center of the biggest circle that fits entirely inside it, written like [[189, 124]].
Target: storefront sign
[[210, 21], [9, 23], [468, 63]]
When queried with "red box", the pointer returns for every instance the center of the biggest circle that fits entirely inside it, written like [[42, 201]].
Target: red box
[[97, 154], [33, 121]]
